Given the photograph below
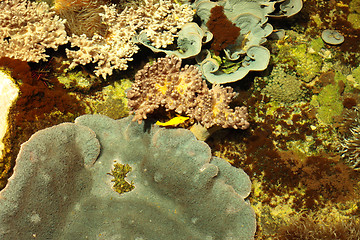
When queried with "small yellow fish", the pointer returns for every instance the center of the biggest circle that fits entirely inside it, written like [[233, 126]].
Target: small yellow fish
[[173, 122]]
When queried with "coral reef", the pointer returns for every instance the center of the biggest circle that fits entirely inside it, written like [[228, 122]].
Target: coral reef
[[82, 17], [310, 227], [354, 16], [216, 25], [160, 21], [328, 103], [189, 41], [164, 84], [119, 173], [42, 102], [283, 87], [27, 29], [300, 54], [78, 80], [239, 28], [111, 101], [350, 143], [100, 178], [180, 191]]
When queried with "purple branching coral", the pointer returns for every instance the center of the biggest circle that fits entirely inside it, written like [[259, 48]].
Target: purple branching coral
[[164, 84]]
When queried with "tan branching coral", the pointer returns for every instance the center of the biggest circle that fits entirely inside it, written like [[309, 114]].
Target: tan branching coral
[[160, 20], [27, 29], [183, 90]]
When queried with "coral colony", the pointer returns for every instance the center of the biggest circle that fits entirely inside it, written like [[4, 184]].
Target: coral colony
[[176, 186], [105, 107]]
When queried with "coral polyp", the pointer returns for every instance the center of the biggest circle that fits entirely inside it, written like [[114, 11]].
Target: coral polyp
[[82, 17]]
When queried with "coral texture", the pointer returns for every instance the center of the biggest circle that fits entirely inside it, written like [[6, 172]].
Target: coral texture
[[183, 90], [61, 187], [160, 21], [239, 28], [283, 87], [27, 29], [82, 16], [350, 144]]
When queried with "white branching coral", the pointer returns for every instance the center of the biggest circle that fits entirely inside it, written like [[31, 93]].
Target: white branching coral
[[27, 29], [164, 20], [160, 20]]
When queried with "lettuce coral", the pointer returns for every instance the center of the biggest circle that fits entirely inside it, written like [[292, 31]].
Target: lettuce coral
[[239, 28], [61, 187]]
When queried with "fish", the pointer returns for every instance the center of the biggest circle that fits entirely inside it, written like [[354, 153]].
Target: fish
[[173, 122]]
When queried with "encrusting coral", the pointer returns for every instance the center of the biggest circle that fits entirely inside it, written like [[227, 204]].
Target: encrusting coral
[[159, 20], [27, 29], [164, 84]]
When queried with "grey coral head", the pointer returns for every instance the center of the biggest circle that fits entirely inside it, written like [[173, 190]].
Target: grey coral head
[[332, 37], [61, 190]]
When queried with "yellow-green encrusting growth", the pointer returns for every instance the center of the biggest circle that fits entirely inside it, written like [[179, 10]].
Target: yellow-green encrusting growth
[[301, 55], [354, 15], [119, 173], [328, 103]]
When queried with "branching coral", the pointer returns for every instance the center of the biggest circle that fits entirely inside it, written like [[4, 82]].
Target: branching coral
[[27, 29], [160, 21], [183, 90]]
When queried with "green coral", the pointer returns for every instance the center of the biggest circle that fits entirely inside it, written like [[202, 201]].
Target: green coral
[[119, 173], [356, 75], [226, 66], [328, 103], [283, 87]]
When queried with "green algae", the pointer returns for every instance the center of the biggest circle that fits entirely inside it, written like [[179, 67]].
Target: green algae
[[354, 15], [112, 100], [328, 104], [300, 55], [317, 44], [77, 80], [119, 173]]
